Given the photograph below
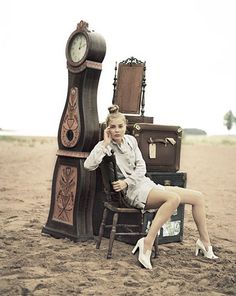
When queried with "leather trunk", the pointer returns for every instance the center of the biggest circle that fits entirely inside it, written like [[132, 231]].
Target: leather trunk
[[160, 145], [172, 230]]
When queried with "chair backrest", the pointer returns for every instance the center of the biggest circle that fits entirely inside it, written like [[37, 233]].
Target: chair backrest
[[109, 174], [130, 72], [107, 171]]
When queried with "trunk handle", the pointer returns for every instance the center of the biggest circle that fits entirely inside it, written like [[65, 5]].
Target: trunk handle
[[163, 141]]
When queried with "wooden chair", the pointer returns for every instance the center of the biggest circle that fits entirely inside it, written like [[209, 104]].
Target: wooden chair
[[116, 204]]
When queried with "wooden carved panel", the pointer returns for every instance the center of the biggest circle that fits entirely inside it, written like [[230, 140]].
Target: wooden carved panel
[[66, 182], [70, 130]]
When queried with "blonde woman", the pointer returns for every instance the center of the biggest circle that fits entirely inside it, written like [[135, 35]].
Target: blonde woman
[[141, 191]]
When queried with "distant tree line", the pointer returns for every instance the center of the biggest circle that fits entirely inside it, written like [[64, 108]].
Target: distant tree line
[[229, 120], [194, 131]]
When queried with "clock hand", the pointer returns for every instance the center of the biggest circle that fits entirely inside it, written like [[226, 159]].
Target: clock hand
[[83, 45]]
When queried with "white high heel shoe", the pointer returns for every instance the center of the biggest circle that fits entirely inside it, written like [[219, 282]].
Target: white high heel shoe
[[207, 253], [143, 258]]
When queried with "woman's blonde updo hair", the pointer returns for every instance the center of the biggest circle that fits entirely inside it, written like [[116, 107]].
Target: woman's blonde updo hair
[[114, 113]]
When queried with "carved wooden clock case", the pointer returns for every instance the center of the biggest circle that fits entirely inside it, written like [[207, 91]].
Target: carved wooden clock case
[[73, 187]]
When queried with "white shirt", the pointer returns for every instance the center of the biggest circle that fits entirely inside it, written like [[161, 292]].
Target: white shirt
[[128, 158]]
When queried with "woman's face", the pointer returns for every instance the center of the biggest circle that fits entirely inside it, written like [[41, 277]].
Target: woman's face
[[117, 128]]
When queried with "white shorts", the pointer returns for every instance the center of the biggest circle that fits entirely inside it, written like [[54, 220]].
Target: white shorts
[[137, 194]]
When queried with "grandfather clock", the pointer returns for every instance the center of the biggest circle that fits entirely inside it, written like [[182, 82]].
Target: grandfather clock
[[73, 187]]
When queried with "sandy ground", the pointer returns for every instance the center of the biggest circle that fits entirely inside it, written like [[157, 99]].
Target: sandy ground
[[32, 264]]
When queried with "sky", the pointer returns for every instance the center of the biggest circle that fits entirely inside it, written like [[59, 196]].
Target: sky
[[189, 48]]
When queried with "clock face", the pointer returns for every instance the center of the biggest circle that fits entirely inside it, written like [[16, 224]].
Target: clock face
[[78, 47]]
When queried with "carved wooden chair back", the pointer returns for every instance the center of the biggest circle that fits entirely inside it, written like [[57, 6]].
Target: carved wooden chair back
[[129, 86], [109, 174]]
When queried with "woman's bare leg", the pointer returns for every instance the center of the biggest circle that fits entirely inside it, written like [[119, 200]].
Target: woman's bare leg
[[196, 199], [166, 202]]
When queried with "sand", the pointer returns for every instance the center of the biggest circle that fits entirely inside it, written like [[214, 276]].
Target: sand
[[33, 264]]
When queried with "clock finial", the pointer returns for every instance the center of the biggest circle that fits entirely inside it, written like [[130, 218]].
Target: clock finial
[[82, 25]]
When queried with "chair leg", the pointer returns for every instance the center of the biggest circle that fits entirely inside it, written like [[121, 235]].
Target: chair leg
[[112, 235], [101, 229], [156, 249]]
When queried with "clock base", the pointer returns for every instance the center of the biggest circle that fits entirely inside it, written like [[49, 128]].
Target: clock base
[[58, 233], [72, 199]]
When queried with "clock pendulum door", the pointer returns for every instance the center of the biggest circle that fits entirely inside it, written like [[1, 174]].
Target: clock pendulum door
[[73, 187]]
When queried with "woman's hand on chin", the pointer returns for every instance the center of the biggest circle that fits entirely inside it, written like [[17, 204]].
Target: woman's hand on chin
[[107, 137]]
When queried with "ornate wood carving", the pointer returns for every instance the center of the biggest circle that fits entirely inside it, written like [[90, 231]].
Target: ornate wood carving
[[82, 26], [86, 64], [70, 130], [74, 154], [131, 61], [66, 183]]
